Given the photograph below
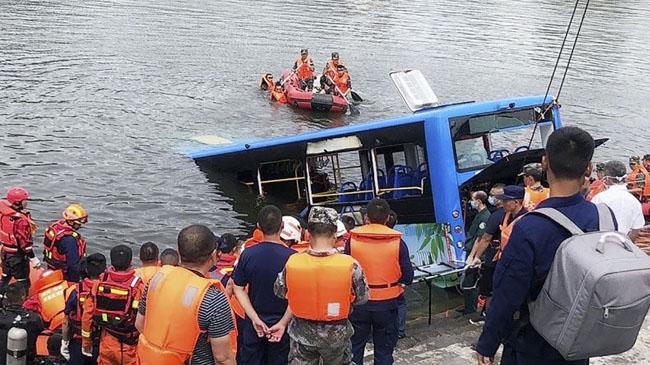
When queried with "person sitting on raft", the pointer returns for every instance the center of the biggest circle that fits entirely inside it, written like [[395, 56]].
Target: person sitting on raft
[[304, 68], [330, 70]]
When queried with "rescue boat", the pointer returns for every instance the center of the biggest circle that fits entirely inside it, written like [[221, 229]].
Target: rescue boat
[[309, 100]]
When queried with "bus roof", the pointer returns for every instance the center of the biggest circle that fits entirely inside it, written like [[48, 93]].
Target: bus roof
[[459, 109]]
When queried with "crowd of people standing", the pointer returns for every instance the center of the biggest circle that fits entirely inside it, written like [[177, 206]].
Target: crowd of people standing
[[286, 295]]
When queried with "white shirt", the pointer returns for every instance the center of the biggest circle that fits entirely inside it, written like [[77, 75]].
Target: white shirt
[[627, 209]]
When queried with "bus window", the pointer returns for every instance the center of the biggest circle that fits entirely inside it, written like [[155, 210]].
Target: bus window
[[484, 139], [339, 177], [401, 171]]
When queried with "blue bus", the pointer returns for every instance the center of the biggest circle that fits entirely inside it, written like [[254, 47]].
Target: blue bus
[[424, 164]]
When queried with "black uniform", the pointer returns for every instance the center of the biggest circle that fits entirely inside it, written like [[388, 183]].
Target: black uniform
[[16, 316]]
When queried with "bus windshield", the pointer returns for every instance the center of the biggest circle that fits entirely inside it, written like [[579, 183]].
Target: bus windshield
[[484, 139]]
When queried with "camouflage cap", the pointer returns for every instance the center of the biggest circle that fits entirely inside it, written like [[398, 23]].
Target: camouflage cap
[[635, 159], [532, 169], [646, 157], [600, 166], [323, 215]]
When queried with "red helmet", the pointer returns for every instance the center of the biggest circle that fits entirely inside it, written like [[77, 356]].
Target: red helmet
[[17, 195]]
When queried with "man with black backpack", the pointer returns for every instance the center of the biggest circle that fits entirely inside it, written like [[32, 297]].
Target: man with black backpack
[[529, 256]]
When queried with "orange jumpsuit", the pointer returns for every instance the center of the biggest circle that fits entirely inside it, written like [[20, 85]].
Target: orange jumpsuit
[[112, 351]]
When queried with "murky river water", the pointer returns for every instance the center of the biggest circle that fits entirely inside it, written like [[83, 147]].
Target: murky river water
[[98, 98]]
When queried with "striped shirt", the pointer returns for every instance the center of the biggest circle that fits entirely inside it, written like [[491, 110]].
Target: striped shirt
[[215, 320]]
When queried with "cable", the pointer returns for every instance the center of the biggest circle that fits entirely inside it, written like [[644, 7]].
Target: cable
[[544, 109], [572, 50]]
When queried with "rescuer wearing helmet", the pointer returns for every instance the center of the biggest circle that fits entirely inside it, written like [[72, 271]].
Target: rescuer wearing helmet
[[16, 228], [63, 245]]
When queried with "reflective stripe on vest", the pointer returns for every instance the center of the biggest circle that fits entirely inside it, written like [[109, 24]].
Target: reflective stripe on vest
[[170, 339], [320, 288], [376, 248], [55, 233]]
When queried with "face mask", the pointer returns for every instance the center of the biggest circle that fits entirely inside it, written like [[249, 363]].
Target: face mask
[[492, 200], [474, 204]]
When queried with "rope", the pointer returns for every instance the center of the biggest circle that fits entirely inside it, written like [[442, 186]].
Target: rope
[[557, 62]]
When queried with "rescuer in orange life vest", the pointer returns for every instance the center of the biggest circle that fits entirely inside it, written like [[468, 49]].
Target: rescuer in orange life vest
[[16, 227], [598, 185], [91, 269], [49, 298], [535, 193], [201, 325], [111, 309], [304, 68], [321, 286], [330, 72], [228, 247], [149, 253], [637, 177], [384, 257], [63, 245], [343, 82]]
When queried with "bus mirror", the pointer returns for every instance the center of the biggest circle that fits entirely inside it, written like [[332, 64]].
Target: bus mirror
[[414, 89]]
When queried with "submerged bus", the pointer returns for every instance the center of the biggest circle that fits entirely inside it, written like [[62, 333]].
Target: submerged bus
[[424, 164]]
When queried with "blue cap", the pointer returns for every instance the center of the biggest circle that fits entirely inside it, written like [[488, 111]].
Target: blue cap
[[512, 192]]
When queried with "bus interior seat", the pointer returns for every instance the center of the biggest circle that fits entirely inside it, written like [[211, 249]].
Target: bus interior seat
[[400, 176], [368, 182], [347, 187]]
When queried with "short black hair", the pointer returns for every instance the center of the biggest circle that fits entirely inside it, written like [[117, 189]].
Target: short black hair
[[149, 252], [348, 222], [93, 266], [228, 243], [269, 220], [378, 211], [195, 244], [321, 229], [121, 257], [169, 256], [569, 151], [15, 294], [481, 196]]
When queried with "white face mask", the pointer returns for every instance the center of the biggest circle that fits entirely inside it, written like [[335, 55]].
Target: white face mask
[[474, 204], [492, 200]]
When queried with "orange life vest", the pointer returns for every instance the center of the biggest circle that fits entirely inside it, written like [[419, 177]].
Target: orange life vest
[[231, 300], [596, 187], [8, 218], [320, 288], [304, 69], [117, 297], [147, 272], [506, 231], [50, 294], [55, 233], [83, 289], [342, 82], [41, 343], [300, 247], [633, 177], [167, 339], [258, 236], [330, 69], [278, 96], [535, 196], [376, 248]]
